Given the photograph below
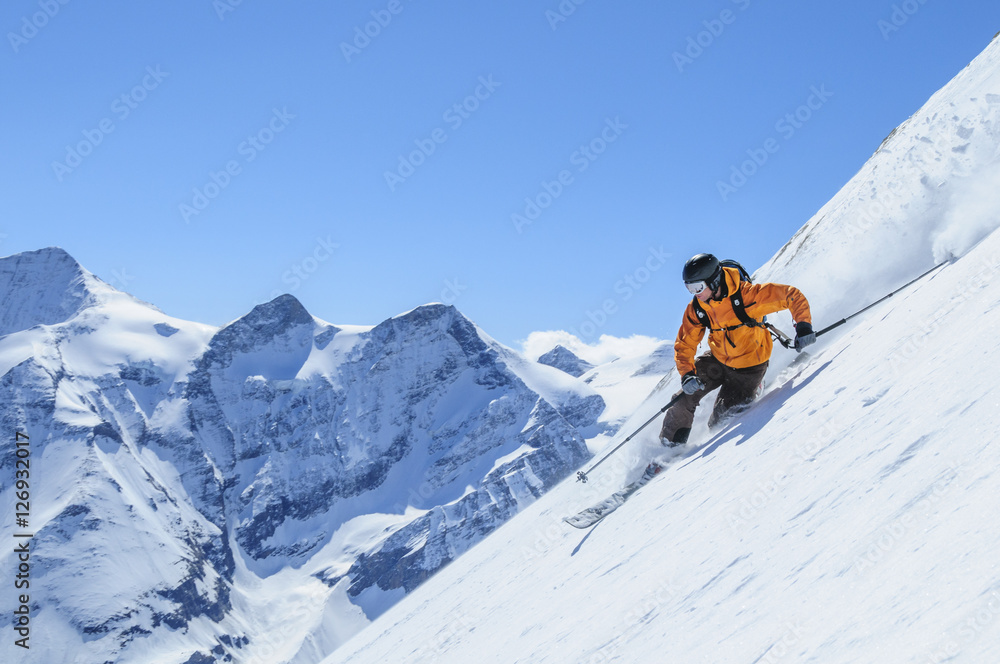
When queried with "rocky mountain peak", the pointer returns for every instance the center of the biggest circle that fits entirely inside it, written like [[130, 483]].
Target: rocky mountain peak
[[565, 360], [43, 287]]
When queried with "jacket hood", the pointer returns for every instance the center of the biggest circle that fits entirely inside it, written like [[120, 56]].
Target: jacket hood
[[731, 280]]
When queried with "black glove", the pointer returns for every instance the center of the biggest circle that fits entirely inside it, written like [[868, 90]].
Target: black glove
[[691, 384], [804, 336]]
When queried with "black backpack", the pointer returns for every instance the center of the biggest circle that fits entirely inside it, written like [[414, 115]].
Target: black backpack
[[735, 299]]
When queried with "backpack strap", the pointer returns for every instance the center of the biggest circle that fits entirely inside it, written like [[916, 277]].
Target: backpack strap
[[739, 308], [700, 313]]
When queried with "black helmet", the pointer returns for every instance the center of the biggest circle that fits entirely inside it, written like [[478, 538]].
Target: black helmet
[[703, 267]]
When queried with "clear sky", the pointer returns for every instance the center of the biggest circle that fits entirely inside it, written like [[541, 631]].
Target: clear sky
[[541, 165]]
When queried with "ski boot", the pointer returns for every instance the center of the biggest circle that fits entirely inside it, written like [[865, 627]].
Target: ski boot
[[652, 470], [680, 438]]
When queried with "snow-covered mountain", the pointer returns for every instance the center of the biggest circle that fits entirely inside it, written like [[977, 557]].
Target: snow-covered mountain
[[848, 516], [189, 484], [565, 360]]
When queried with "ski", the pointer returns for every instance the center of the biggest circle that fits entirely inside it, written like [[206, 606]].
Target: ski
[[593, 514]]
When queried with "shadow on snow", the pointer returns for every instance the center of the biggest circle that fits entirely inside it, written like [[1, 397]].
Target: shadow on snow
[[751, 421]]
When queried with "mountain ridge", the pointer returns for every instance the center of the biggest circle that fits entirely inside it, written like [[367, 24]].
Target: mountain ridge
[[227, 456]]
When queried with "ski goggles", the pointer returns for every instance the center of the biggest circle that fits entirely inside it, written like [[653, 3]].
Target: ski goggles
[[695, 287]]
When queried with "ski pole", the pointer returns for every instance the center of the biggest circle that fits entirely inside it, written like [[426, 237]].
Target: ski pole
[[582, 476], [909, 283], [780, 336]]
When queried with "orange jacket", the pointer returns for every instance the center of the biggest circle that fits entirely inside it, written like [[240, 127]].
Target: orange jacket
[[742, 346]]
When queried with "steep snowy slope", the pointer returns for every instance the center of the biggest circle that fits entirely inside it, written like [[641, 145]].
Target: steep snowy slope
[[847, 517], [928, 194]]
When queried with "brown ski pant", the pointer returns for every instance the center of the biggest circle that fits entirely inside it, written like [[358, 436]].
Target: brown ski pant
[[738, 389]]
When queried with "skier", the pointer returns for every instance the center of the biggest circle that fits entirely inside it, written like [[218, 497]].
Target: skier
[[732, 309]]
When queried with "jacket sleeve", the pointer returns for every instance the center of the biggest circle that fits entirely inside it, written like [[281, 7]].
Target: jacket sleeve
[[688, 337], [770, 298]]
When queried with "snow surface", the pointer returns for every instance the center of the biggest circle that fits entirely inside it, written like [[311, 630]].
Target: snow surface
[[848, 516]]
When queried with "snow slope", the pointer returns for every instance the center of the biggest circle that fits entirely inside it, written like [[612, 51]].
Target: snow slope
[[928, 194], [849, 516]]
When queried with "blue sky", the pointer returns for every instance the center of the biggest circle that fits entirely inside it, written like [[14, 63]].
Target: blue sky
[[540, 165]]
